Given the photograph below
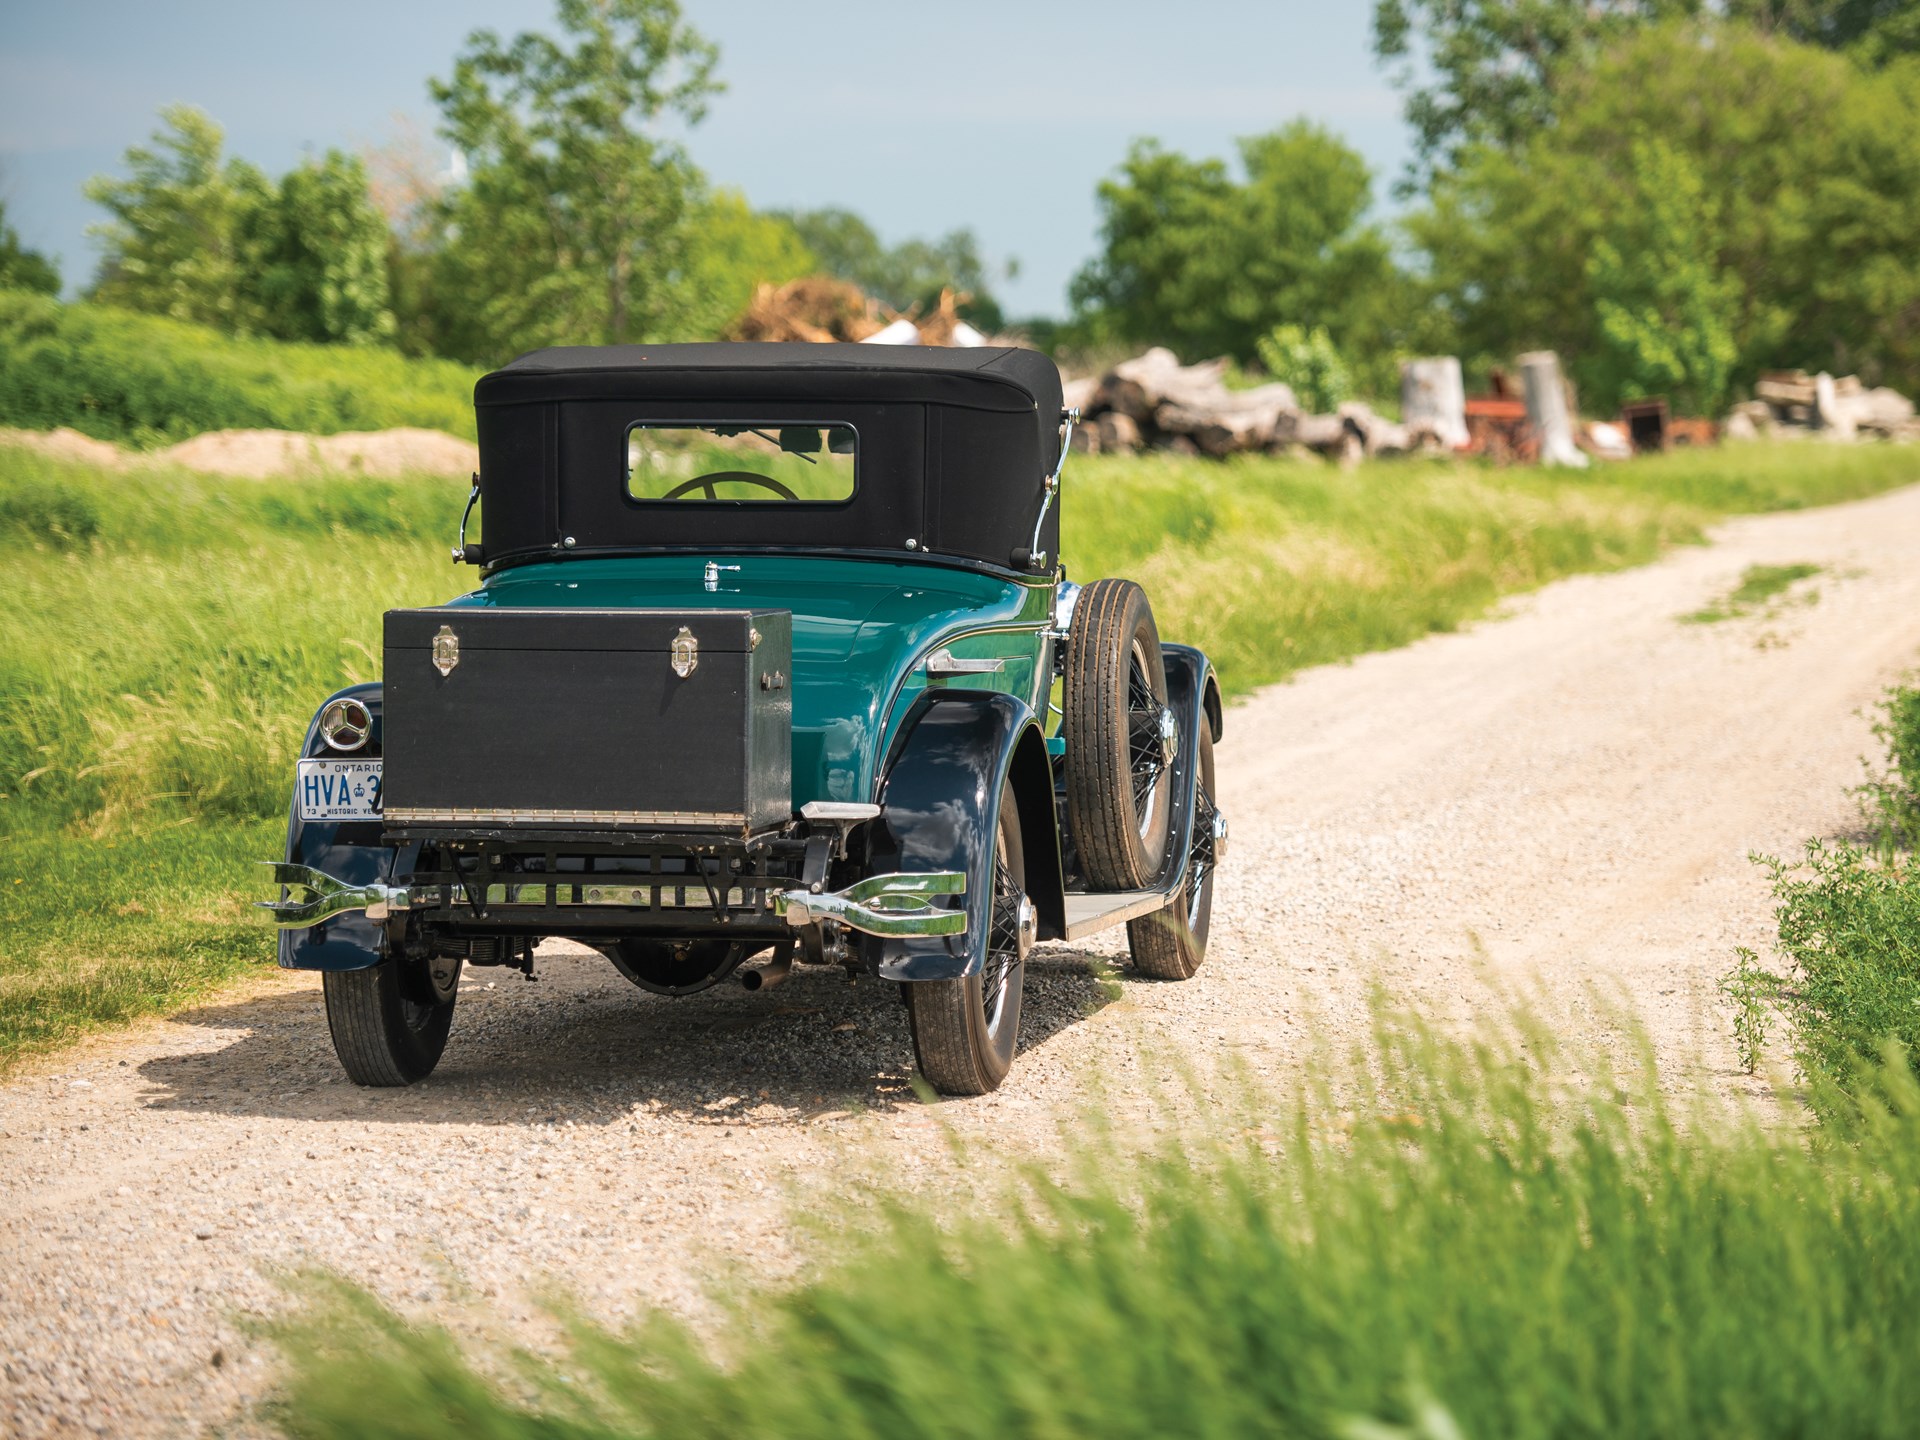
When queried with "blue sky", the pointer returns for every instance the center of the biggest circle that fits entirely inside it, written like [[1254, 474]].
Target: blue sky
[[998, 115]]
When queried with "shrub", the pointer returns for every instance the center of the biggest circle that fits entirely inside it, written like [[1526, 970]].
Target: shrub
[[116, 375], [1849, 931], [1890, 798], [1308, 361], [40, 510], [1901, 731]]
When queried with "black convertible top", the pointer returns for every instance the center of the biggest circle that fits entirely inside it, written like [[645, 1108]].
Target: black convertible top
[[955, 446], [948, 375]]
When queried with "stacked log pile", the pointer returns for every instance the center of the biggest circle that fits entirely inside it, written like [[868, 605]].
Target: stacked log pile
[[1153, 402], [1790, 404]]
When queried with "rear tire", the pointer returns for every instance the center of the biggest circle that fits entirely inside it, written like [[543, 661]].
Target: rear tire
[[965, 1031], [1171, 943], [1118, 795], [389, 1028]]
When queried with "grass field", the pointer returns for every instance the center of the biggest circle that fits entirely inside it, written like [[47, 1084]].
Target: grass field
[[168, 635], [1451, 1240]]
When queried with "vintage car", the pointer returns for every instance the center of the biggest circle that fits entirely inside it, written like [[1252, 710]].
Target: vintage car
[[772, 654]]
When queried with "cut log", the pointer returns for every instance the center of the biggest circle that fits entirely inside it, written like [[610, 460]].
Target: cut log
[[1140, 386], [1225, 422], [1079, 394], [1220, 431], [1879, 411], [1433, 399], [1547, 410], [1834, 419], [1116, 434], [1317, 432], [1785, 387], [1378, 435]]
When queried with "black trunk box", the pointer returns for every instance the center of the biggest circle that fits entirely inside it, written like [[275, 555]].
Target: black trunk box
[[536, 719]]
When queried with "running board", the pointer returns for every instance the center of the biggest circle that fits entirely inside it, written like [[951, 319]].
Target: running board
[[1090, 914]]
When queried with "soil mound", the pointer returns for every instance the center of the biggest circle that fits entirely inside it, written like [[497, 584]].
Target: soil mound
[[273, 453], [64, 444]]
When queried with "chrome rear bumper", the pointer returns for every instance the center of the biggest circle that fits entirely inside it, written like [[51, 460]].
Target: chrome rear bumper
[[885, 905]]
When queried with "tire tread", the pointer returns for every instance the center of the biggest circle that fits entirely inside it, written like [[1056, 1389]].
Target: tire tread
[[1099, 779]]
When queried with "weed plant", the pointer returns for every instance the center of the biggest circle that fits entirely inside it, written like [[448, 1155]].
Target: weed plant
[[1849, 932], [1463, 1249], [146, 380], [1891, 797], [1759, 587], [1849, 939]]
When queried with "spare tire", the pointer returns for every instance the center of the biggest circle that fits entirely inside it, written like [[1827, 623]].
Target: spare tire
[[1119, 737]]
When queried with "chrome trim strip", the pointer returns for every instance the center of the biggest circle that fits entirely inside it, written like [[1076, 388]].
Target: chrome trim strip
[[416, 815], [944, 662], [852, 811]]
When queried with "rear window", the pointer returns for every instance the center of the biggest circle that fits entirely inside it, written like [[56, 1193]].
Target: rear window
[[743, 464]]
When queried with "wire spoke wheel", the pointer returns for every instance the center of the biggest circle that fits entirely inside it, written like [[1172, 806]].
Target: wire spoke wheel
[[1170, 944], [965, 1031]]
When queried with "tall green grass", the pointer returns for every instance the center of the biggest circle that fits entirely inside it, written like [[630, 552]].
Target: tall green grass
[[1273, 565], [168, 634], [167, 638], [1464, 1247], [144, 379]]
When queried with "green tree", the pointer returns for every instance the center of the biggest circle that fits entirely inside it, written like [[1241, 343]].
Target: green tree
[[739, 248], [1494, 70], [1873, 31], [177, 243], [1307, 360], [1809, 204], [1198, 260], [197, 236], [321, 247], [574, 225], [21, 268], [1665, 309]]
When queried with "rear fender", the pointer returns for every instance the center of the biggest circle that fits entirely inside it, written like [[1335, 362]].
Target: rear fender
[[940, 809], [348, 850]]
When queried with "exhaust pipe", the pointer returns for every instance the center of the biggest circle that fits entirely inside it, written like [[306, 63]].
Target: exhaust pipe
[[772, 973]]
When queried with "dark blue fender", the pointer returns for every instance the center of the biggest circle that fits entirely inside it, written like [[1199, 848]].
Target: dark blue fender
[[940, 809], [1194, 697], [347, 850]]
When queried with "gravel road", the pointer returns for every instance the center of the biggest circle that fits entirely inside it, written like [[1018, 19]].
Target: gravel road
[[1564, 795]]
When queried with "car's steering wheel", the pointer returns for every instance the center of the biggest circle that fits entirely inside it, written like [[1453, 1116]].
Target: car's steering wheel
[[745, 477]]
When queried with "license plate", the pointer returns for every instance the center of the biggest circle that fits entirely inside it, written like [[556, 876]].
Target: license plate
[[338, 790]]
